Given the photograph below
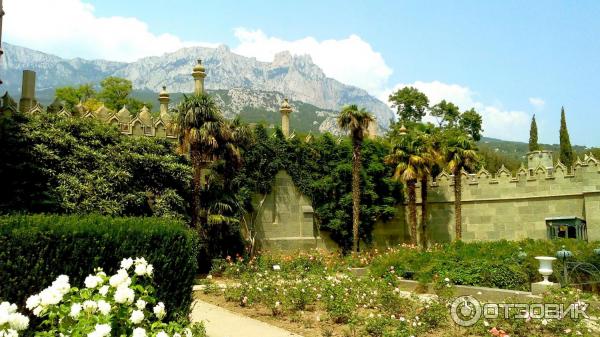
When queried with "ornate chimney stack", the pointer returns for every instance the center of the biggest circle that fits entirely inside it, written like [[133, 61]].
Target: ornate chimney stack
[[27, 91], [163, 98], [285, 110], [199, 74]]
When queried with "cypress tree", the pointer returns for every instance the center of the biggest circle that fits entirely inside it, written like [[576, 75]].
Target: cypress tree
[[533, 136], [566, 151]]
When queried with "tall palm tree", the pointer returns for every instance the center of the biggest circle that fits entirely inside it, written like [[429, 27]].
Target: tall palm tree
[[412, 156], [356, 121], [432, 157], [460, 153], [204, 135]]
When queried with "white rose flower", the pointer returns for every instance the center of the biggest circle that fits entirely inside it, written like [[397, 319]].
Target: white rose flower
[[177, 334], [61, 284], [103, 290], [141, 304], [120, 278], [75, 310], [90, 306], [103, 307], [18, 321], [140, 269], [162, 334], [92, 281], [140, 260], [139, 332], [187, 332], [159, 310], [124, 295], [102, 330], [149, 270], [50, 296], [32, 302], [126, 263], [3, 317], [137, 316]]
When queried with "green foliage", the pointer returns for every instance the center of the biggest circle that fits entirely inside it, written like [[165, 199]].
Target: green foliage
[[71, 96], [38, 248], [487, 264], [411, 104], [75, 165], [447, 112], [567, 156], [321, 168], [533, 136], [115, 93]]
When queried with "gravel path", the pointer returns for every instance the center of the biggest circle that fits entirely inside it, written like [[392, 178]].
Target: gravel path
[[220, 322]]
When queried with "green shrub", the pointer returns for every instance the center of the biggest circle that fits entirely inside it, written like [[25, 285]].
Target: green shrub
[[38, 248]]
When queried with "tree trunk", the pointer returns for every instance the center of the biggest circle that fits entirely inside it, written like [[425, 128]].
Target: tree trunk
[[355, 193], [457, 204], [197, 165], [412, 209], [424, 212]]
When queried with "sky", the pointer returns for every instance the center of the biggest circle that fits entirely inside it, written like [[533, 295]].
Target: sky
[[507, 59]]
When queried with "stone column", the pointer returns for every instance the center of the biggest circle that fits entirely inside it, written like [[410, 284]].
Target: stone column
[[199, 74], [163, 98], [27, 91], [285, 111]]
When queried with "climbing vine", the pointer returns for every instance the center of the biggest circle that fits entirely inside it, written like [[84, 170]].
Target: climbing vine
[[320, 167]]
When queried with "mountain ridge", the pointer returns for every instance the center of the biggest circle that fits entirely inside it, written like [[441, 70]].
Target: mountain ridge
[[296, 77]]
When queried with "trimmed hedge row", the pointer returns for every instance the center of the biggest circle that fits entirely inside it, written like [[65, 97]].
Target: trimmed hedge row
[[35, 249]]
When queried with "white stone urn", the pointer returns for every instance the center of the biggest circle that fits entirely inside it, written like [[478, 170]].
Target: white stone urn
[[545, 267]]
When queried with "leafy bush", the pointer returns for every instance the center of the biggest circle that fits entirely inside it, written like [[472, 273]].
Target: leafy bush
[[38, 248], [494, 264]]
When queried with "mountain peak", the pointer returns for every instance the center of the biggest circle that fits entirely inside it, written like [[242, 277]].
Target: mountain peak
[[296, 77]]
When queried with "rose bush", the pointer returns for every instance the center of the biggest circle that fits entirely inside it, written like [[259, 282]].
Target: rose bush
[[122, 304]]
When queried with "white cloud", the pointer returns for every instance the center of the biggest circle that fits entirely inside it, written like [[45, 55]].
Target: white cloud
[[537, 102], [498, 122], [351, 60], [69, 28]]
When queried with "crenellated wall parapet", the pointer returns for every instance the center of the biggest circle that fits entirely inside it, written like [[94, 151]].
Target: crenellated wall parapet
[[542, 181]]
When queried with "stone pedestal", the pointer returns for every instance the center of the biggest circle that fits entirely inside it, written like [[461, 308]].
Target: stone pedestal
[[539, 288]]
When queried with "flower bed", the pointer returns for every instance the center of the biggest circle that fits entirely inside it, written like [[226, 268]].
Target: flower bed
[[316, 290]]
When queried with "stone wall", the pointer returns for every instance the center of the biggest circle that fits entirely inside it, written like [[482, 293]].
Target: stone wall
[[285, 218], [512, 207]]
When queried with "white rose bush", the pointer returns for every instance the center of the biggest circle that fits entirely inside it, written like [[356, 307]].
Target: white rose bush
[[122, 304], [11, 322]]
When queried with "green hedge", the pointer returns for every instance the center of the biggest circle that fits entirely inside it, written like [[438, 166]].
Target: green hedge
[[493, 264], [35, 249]]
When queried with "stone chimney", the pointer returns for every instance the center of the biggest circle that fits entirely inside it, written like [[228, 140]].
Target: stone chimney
[[27, 91], [163, 98], [285, 110], [199, 74]]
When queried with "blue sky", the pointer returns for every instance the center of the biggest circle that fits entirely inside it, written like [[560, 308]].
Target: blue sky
[[509, 59]]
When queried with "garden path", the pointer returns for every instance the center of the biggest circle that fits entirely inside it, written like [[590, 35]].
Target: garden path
[[221, 322]]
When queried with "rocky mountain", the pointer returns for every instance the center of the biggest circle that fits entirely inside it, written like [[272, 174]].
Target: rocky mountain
[[296, 77]]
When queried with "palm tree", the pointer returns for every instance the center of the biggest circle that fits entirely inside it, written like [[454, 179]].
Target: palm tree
[[460, 153], [356, 121], [432, 157], [205, 135], [412, 156]]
